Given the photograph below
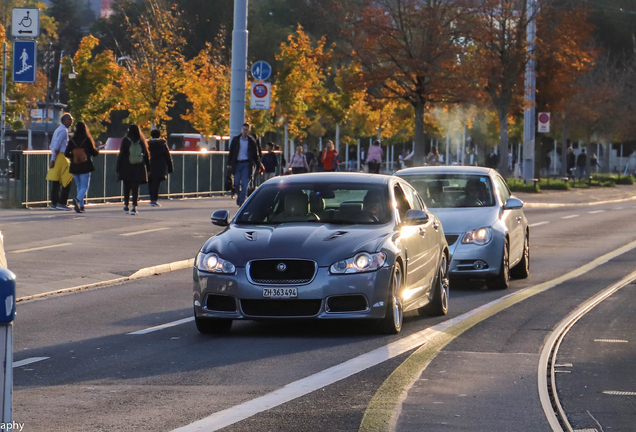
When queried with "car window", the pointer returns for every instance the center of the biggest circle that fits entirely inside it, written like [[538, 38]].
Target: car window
[[502, 189], [401, 203], [412, 197], [453, 190], [319, 202]]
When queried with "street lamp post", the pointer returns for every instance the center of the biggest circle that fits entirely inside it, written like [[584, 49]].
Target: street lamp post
[[529, 112], [239, 67]]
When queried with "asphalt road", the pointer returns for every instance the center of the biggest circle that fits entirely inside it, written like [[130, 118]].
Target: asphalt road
[[97, 377]]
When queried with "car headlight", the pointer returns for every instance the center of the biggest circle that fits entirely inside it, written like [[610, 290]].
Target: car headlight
[[360, 263], [479, 236], [211, 262]]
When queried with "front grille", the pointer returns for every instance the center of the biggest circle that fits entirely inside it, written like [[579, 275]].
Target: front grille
[[268, 272], [281, 308], [347, 303], [220, 303], [451, 239]]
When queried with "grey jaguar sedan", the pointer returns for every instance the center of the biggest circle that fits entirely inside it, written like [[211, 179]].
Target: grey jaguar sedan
[[323, 246], [486, 229]]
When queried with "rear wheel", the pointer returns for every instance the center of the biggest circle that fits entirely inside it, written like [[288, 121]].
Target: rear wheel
[[522, 270], [439, 304], [213, 325], [502, 280], [394, 317]]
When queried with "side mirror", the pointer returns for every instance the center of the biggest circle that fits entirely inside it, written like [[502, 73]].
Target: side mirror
[[7, 296], [513, 204], [416, 217], [221, 218]]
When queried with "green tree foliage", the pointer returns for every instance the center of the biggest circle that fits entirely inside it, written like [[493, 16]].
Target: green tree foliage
[[71, 24]]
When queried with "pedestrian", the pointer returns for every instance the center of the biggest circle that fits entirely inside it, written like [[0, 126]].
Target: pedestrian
[[81, 150], [283, 162], [374, 157], [510, 160], [133, 164], [243, 159], [58, 173], [581, 162], [594, 162], [433, 157], [298, 163], [328, 157], [160, 165], [270, 162], [310, 156], [353, 158], [492, 160], [571, 163]]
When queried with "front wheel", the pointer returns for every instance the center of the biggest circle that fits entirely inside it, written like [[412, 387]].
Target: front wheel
[[522, 270], [394, 317], [439, 304], [216, 326], [502, 280]]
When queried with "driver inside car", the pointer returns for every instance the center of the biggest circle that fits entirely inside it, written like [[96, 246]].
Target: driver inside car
[[373, 204], [472, 194]]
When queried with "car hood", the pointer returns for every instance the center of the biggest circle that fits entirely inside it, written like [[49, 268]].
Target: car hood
[[459, 220], [323, 243]]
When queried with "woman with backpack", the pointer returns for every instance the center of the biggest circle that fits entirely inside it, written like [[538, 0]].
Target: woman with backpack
[[298, 162], [81, 150], [133, 164]]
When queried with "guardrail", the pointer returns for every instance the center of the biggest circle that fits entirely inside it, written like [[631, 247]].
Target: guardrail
[[195, 174]]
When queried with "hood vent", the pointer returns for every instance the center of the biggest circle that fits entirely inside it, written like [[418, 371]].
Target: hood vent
[[250, 235], [335, 235]]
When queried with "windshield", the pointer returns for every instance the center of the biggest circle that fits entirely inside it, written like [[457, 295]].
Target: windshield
[[453, 190], [283, 202]]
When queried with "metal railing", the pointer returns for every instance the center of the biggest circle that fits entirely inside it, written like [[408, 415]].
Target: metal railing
[[195, 174]]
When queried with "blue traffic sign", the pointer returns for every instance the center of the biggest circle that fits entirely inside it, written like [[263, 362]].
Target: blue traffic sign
[[24, 61], [261, 70]]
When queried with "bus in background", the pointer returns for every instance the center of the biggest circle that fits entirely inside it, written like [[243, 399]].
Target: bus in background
[[196, 143]]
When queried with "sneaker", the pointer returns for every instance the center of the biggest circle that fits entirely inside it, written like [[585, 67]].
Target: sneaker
[[76, 205], [154, 204], [126, 209], [82, 210], [64, 207], [133, 211], [53, 207]]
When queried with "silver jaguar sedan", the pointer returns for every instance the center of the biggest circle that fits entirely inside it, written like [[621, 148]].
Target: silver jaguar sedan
[[486, 229], [323, 246]]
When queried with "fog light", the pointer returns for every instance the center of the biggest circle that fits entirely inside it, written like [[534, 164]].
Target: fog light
[[479, 264]]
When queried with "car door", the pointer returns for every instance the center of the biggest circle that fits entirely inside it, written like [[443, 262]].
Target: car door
[[513, 220]]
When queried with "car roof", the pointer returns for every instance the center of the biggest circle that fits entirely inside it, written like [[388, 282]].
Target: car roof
[[334, 177], [455, 169]]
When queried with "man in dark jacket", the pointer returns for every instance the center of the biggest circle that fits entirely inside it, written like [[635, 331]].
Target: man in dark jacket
[[571, 162], [242, 161], [581, 164], [270, 162], [160, 165]]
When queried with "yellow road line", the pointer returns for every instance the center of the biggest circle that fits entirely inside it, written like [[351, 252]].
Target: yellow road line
[[143, 232], [383, 410], [39, 248]]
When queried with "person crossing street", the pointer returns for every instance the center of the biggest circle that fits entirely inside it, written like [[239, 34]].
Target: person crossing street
[[58, 173]]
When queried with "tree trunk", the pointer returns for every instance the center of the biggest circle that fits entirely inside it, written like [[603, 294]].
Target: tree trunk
[[502, 113], [564, 148], [418, 156]]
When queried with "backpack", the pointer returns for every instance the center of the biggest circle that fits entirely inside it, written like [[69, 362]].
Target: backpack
[[136, 154], [79, 154]]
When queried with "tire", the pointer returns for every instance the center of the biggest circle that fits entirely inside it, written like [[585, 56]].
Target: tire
[[522, 269], [216, 326], [394, 317], [502, 280], [439, 304]]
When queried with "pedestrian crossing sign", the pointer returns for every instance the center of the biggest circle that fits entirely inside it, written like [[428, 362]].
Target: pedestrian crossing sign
[[24, 61]]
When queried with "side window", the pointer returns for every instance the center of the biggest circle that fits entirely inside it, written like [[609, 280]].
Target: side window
[[412, 197], [502, 189], [401, 202]]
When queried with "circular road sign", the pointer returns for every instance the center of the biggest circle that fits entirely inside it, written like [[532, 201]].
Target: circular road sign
[[260, 90], [544, 118], [261, 70]]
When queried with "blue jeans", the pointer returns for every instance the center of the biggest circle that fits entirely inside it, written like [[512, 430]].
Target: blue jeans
[[241, 181], [82, 181]]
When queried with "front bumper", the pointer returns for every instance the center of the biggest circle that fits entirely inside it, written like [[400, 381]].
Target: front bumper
[[373, 286], [465, 256]]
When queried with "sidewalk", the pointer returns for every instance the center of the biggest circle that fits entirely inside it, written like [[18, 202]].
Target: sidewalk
[[579, 197]]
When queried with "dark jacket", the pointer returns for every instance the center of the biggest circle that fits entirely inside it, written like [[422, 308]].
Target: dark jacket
[[89, 149], [571, 160], [270, 162], [492, 160], [252, 153], [132, 173], [581, 160], [160, 159]]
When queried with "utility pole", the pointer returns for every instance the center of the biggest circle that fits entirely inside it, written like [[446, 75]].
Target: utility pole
[[239, 68], [4, 100], [529, 128]]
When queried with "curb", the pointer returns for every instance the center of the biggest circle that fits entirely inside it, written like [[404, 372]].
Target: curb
[[557, 205], [141, 273]]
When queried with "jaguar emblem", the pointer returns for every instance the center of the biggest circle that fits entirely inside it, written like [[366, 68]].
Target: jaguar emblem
[[281, 267]]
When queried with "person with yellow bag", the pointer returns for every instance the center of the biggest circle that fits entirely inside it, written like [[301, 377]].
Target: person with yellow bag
[[59, 174]]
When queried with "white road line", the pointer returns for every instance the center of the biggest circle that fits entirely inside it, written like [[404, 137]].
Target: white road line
[[597, 211], [619, 393], [619, 208], [538, 224], [29, 361], [40, 248], [611, 340], [162, 326], [143, 232], [570, 217]]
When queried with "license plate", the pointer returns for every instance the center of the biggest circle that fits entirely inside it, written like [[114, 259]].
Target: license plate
[[280, 292]]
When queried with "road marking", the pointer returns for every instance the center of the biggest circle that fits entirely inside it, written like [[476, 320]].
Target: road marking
[[40, 248], [162, 326], [538, 224], [597, 211], [570, 217], [29, 361], [611, 340], [564, 365], [143, 232], [379, 413], [619, 393], [619, 208]]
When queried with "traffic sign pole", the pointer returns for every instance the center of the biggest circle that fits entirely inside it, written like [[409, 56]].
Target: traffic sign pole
[[239, 66], [4, 100]]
